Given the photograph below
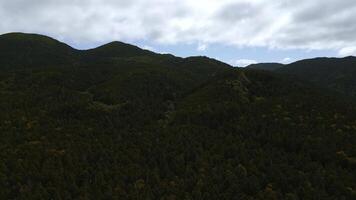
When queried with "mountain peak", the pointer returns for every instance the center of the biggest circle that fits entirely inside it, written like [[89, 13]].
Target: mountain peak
[[118, 49], [19, 37], [24, 49]]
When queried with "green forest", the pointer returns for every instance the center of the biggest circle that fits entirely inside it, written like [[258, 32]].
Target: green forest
[[119, 122]]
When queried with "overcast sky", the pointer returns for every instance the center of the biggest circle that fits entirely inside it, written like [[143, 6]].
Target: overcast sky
[[235, 31]]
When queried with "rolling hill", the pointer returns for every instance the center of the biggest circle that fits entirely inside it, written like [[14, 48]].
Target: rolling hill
[[335, 74], [19, 50], [119, 122]]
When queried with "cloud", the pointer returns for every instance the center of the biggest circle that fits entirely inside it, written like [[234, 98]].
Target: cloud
[[202, 47], [282, 24], [243, 62], [286, 60], [149, 48], [348, 51]]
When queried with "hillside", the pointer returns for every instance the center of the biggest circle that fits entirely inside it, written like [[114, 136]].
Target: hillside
[[19, 50], [119, 122], [334, 73], [266, 66]]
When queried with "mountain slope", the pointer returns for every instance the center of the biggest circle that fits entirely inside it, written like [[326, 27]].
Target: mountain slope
[[337, 74], [131, 124], [114, 50], [266, 66], [19, 50], [268, 125]]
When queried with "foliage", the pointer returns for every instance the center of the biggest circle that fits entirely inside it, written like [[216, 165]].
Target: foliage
[[149, 126]]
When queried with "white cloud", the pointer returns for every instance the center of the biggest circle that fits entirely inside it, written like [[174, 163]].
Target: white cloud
[[348, 51], [286, 60], [149, 48], [243, 62], [202, 47], [281, 24]]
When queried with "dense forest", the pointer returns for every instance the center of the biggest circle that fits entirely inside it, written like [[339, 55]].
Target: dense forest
[[119, 122], [336, 74]]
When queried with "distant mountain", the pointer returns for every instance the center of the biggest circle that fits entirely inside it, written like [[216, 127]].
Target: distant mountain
[[266, 66], [120, 122], [337, 74]]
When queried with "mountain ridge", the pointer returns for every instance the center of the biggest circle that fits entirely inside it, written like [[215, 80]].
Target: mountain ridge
[[129, 125], [266, 66], [333, 73]]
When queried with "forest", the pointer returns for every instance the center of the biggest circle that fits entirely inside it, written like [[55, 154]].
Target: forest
[[119, 122]]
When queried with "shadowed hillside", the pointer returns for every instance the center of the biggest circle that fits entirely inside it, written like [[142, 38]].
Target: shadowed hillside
[[19, 50], [334, 73], [266, 66], [119, 122]]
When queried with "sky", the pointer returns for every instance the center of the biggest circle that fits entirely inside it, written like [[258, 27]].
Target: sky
[[239, 32]]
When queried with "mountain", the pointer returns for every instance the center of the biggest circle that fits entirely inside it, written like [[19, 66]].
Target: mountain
[[119, 122], [114, 50], [266, 66], [119, 49], [337, 74], [19, 50]]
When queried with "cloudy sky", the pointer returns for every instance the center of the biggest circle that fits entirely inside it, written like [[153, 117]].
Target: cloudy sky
[[235, 31]]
